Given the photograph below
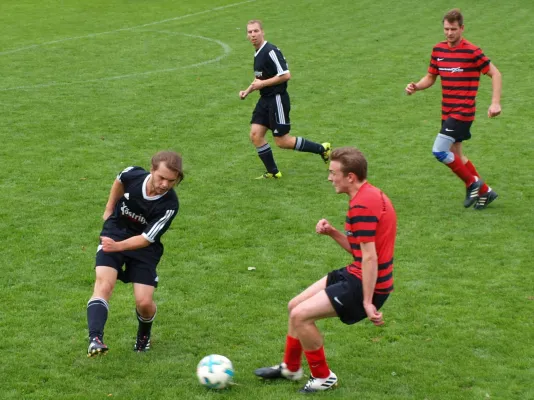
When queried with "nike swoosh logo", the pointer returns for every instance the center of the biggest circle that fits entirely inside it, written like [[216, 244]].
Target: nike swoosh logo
[[337, 301], [449, 130], [440, 59]]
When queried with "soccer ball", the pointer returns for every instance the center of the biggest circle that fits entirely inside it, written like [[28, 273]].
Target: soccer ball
[[215, 371]]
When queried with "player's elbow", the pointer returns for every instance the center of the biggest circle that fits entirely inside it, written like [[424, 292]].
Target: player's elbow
[[286, 76]]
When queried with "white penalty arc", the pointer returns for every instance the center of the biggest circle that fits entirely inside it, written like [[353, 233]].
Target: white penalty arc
[[225, 47]]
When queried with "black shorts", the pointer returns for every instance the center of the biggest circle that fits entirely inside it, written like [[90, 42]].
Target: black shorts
[[458, 130], [273, 112], [345, 292], [139, 265]]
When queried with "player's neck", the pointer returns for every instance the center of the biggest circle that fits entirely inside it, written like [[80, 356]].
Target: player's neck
[[150, 192], [260, 45], [353, 191]]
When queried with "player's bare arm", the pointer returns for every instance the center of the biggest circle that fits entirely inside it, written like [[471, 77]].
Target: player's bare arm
[[116, 192], [323, 227], [496, 83], [424, 83], [275, 80], [369, 275], [244, 93], [135, 242]]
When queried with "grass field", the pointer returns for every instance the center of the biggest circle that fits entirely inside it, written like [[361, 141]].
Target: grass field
[[89, 88]]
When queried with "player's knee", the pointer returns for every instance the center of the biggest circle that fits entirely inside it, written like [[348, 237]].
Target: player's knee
[[145, 305], [292, 304], [103, 288], [285, 142]]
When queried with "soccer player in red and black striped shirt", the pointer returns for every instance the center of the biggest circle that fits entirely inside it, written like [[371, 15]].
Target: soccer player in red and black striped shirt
[[352, 293], [459, 63]]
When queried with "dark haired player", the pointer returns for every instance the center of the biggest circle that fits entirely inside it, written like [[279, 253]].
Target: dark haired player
[[272, 110], [459, 63], [352, 293], [140, 209]]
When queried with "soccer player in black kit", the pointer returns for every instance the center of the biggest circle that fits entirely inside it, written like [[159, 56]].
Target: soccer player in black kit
[[272, 110], [140, 208]]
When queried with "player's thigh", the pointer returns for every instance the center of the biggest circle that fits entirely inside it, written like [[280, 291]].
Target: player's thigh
[[310, 291], [257, 134], [314, 308], [458, 130]]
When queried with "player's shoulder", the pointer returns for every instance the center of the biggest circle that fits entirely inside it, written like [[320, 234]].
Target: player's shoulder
[[170, 200], [440, 46], [131, 172]]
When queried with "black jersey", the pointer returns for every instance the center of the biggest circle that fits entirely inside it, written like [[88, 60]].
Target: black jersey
[[138, 214], [268, 62]]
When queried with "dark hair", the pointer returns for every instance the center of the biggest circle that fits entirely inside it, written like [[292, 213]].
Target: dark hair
[[454, 15], [351, 160], [172, 160]]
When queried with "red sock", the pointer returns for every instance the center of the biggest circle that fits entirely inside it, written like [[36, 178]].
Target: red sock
[[469, 165], [293, 353], [317, 362], [458, 167]]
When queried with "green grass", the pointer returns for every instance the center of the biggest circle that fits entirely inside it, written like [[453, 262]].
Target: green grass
[[89, 88]]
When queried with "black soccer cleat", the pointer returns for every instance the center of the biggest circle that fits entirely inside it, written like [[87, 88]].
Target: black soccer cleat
[[142, 343], [96, 347], [484, 200], [279, 372], [320, 384], [471, 193]]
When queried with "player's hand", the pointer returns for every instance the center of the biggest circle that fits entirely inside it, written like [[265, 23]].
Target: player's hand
[[374, 316], [109, 245], [243, 94], [494, 110], [323, 227], [257, 84], [410, 88]]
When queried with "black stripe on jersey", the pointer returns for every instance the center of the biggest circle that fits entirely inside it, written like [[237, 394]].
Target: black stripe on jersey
[[355, 246], [362, 218], [453, 105], [484, 65], [364, 233], [446, 50], [458, 112], [385, 265], [458, 97], [458, 88], [384, 278], [460, 78]]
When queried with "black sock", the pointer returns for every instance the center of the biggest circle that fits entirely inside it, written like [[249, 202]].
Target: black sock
[[266, 156], [308, 146], [97, 315], [145, 324]]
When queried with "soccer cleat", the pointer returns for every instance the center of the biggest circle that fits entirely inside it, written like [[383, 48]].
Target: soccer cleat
[[319, 384], [142, 344], [278, 372], [327, 151], [471, 193], [485, 199], [96, 347], [269, 175]]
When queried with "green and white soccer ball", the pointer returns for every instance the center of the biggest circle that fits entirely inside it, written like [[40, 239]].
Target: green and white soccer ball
[[215, 371]]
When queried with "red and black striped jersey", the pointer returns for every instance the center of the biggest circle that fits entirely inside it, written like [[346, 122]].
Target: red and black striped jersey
[[372, 218], [459, 68]]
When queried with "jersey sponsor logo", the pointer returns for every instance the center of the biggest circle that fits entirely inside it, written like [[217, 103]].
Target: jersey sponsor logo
[[133, 216], [127, 196], [453, 70], [258, 74], [348, 233]]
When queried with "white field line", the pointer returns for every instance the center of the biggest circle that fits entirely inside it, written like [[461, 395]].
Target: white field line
[[125, 29], [226, 50]]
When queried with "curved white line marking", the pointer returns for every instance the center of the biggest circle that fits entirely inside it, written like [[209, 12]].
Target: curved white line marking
[[226, 50], [123, 29]]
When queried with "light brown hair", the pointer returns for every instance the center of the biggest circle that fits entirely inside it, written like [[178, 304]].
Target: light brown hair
[[454, 15], [351, 160], [255, 21], [172, 160]]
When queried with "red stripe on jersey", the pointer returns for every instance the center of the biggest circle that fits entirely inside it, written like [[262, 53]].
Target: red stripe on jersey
[[459, 68], [371, 218]]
